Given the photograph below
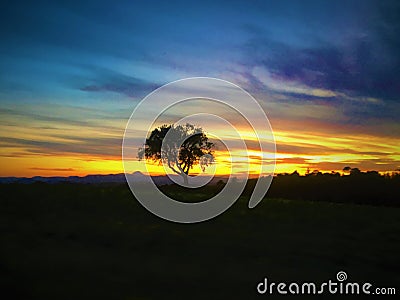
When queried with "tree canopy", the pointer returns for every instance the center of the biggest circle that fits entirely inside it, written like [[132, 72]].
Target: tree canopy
[[180, 147]]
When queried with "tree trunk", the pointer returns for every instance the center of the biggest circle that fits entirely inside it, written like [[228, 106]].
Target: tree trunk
[[185, 179]]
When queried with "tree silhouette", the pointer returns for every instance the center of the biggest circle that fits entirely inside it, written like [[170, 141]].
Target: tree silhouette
[[180, 147], [355, 171], [347, 169]]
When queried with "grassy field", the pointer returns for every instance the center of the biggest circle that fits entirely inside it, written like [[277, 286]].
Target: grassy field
[[97, 242]]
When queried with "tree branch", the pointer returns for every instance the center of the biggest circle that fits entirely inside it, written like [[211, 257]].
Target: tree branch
[[172, 168], [179, 167]]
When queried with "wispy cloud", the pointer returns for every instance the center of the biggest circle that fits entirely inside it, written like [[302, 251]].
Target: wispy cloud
[[290, 86], [106, 80], [355, 66], [53, 169]]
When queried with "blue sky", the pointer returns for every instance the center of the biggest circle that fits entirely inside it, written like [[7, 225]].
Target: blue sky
[[336, 61], [58, 48]]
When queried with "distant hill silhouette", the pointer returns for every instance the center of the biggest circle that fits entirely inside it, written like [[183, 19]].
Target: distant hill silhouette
[[96, 178]]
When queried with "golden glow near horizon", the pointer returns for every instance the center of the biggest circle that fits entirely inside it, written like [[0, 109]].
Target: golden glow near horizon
[[295, 151], [49, 141]]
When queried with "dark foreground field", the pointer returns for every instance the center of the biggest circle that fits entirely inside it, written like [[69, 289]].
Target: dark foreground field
[[71, 241]]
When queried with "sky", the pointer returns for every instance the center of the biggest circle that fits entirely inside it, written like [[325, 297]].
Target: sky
[[325, 72]]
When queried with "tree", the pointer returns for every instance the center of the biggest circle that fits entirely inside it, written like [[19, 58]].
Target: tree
[[295, 173], [347, 169], [180, 147], [355, 171]]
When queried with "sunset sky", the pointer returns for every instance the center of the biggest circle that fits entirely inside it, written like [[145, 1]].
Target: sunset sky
[[326, 74]]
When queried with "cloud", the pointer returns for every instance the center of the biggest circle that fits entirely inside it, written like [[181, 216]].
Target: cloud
[[106, 80], [91, 146], [309, 149], [353, 53], [355, 67], [274, 83], [35, 117], [364, 165], [53, 169]]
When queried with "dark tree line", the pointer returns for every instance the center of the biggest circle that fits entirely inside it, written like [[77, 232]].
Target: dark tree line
[[352, 187]]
